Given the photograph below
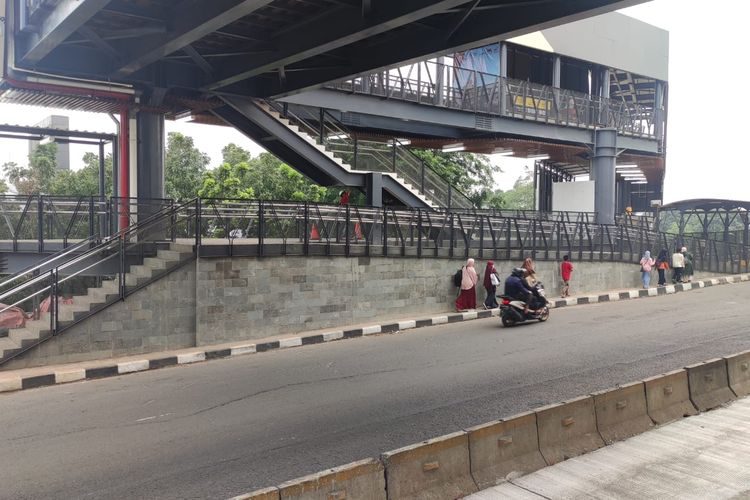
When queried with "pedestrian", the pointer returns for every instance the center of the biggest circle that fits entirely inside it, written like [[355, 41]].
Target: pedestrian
[[566, 270], [678, 265], [344, 197], [662, 264], [491, 280], [467, 297], [689, 266], [528, 265], [647, 263]]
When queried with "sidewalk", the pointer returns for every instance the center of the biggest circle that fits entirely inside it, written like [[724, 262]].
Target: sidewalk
[[705, 456], [28, 378]]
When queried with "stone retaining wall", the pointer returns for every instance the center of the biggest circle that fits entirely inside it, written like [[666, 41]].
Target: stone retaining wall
[[217, 300]]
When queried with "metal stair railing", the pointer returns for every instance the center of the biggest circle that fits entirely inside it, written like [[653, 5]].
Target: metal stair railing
[[107, 265], [367, 155]]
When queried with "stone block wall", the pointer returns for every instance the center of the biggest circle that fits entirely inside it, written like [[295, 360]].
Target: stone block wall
[[217, 300], [158, 317]]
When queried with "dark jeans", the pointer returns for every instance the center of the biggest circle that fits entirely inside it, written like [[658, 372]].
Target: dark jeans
[[491, 300], [662, 277], [677, 276]]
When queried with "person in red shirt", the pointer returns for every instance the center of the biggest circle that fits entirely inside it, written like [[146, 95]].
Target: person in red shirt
[[344, 197], [566, 270]]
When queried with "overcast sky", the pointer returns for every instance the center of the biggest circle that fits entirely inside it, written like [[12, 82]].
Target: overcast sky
[[706, 105]]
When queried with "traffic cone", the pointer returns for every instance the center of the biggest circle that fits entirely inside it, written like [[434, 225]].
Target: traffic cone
[[357, 231], [314, 234]]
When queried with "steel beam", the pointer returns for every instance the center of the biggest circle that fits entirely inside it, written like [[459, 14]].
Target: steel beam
[[59, 24], [342, 27], [419, 42], [190, 24]]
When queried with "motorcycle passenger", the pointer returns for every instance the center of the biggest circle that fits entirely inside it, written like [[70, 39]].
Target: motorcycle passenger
[[517, 288]]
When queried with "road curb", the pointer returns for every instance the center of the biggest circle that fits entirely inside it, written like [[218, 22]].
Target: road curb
[[68, 374]]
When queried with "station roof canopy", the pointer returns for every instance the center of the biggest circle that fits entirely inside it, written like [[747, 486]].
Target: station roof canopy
[[260, 48], [708, 204]]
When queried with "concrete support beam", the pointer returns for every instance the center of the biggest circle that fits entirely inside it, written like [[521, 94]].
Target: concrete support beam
[[556, 71], [150, 156], [605, 154], [374, 189]]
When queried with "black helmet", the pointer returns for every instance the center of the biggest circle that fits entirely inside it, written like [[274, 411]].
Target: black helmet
[[517, 272]]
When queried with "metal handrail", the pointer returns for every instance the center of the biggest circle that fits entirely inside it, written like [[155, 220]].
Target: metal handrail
[[341, 132], [444, 85]]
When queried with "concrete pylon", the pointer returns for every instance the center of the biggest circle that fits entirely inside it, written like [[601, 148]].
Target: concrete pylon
[[603, 170]]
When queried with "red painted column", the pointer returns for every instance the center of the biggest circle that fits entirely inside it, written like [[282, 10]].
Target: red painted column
[[124, 193]]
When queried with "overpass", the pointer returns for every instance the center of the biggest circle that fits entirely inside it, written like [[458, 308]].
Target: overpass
[[128, 57]]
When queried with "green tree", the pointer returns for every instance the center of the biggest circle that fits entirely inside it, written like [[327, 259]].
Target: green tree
[[468, 172], [37, 177], [85, 181], [264, 177], [184, 167], [521, 197], [228, 181], [234, 154]]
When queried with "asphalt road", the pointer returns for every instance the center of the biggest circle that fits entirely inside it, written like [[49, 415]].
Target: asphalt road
[[221, 428]]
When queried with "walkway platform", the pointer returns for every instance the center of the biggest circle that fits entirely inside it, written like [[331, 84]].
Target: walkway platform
[[699, 457]]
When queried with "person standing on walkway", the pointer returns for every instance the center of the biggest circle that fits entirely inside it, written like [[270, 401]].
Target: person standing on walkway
[[689, 266], [566, 271], [467, 297], [678, 264], [491, 280], [647, 263], [662, 264]]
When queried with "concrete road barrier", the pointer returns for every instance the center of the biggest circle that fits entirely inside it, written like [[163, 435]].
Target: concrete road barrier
[[621, 412], [364, 479], [504, 450], [668, 397], [738, 370], [434, 469], [567, 429], [709, 384], [264, 494]]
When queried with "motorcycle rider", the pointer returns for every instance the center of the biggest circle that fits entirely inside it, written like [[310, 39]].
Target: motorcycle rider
[[517, 288]]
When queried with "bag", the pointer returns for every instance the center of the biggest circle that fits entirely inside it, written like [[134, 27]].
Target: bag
[[643, 270], [458, 277], [494, 279]]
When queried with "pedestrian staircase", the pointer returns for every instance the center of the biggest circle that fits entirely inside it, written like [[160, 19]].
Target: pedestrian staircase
[[122, 265], [321, 147]]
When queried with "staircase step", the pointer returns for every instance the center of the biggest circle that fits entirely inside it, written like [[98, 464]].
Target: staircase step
[[141, 271], [19, 335], [182, 248], [173, 255], [157, 263], [8, 344]]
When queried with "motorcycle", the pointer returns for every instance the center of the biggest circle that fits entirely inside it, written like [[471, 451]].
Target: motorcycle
[[511, 310]]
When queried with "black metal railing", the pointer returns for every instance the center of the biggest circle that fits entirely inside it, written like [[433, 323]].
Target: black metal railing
[[39, 300], [392, 156], [265, 228], [40, 223], [434, 83]]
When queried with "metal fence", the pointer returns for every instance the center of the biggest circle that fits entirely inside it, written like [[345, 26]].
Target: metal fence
[[438, 84], [266, 228], [49, 223], [391, 156]]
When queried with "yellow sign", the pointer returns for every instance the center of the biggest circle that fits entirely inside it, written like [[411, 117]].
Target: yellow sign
[[540, 104]]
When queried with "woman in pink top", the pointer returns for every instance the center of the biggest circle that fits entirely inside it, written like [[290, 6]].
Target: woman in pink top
[[647, 263], [467, 298]]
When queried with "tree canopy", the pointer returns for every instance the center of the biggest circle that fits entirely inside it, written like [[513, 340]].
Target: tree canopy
[[38, 176], [264, 177], [184, 167]]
